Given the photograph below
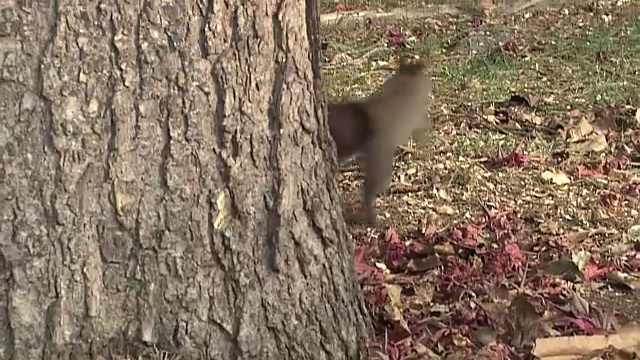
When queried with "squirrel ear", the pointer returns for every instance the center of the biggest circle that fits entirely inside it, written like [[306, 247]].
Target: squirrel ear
[[410, 67], [413, 67]]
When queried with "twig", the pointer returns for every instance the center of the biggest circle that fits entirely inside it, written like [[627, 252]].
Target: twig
[[357, 61], [406, 149]]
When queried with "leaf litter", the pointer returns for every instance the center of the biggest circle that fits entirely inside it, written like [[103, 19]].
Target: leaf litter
[[514, 233]]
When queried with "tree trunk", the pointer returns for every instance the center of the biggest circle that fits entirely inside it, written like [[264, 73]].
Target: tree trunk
[[167, 180]]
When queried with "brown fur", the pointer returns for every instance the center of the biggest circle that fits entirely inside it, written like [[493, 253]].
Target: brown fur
[[375, 126], [350, 127]]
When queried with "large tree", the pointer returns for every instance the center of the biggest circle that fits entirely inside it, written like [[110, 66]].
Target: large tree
[[167, 180]]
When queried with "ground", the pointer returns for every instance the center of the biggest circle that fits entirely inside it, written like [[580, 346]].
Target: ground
[[519, 219]]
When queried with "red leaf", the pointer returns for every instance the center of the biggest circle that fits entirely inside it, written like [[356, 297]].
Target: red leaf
[[467, 236], [635, 138], [395, 254], [631, 188], [591, 272], [340, 7], [514, 159], [584, 171], [585, 325], [395, 39], [362, 268], [615, 163]]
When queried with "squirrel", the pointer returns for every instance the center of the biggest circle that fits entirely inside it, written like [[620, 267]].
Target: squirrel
[[373, 127]]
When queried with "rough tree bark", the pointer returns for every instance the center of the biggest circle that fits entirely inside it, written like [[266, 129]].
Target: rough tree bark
[[167, 179]]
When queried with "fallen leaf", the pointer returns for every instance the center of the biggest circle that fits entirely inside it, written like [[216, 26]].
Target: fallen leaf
[[442, 194], [520, 100], [340, 58], [634, 233], [581, 258], [626, 280], [401, 328], [444, 249], [550, 227], [422, 298], [394, 293], [579, 132], [445, 209], [580, 236], [484, 335], [565, 268], [378, 355], [460, 340], [579, 306], [382, 267], [593, 272], [596, 143], [422, 265], [340, 7], [574, 113], [487, 7], [533, 118], [558, 178], [424, 352], [492, 119], [604, 124]]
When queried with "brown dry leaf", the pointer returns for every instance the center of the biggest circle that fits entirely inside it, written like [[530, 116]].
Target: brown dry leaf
[[378, 355], [597, 143], [622, 279], [574, 113], [579, 132], [340, 58], [615, 118], [487, 7], [484, 335], [445, 210], [460, 340], [382, 267], [442, 194], [550, 227], [423, 297], [492, 119], [393, 292], [423, 352], [394, 315], [527, 100], [525, 321], [423, 264], [558, 178], [566, 269], [579, 305], [444, 249], [580, 236], [604, 124], [533, 119], [634, 233]]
